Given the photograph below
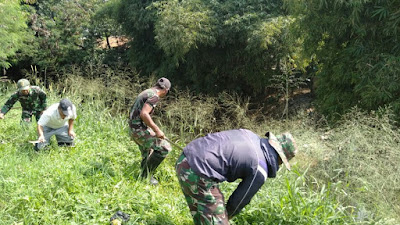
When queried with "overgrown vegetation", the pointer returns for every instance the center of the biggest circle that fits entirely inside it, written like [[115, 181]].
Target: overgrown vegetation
[[208, 46], [361, 155], [345, 175], [13, 32], [355, 44], [244, 57], [349, 48]]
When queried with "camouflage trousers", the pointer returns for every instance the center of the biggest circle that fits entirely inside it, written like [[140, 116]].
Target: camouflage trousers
[[203, 196], [149, 144], [27, 115]]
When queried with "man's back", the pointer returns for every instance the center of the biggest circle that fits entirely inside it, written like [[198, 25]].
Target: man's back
[[226, 155]]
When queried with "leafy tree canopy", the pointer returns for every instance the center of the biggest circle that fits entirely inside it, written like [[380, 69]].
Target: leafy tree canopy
[[13, 30], [209, 46], [65, 32], [356, 44]]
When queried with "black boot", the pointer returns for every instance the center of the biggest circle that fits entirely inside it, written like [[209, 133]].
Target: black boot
[[66, 144], [150, 165], [143, 167]]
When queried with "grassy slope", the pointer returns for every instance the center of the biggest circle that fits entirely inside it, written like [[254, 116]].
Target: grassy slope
[[89, 183], [82, 185]]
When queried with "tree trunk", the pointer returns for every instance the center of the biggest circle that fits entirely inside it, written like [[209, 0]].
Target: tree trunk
[[108, 41]]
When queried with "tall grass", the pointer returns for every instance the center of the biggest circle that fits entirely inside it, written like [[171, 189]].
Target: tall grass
[[82, 185], [190, 116], [290, 200], [89, 183], [363, 153]]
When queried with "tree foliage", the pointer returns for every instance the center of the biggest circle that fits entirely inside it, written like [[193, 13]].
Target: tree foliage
[[63, 32], [13, 30], [356, 44], [209, 46], [102, 22], [215, 45], [187, 23], [61, 28]]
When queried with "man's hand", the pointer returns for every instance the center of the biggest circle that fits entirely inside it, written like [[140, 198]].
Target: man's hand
[[1, 116], [41, 139], [72, 134], [160, 134]]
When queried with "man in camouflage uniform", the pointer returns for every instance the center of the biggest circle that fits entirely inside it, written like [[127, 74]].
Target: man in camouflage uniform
[[145, 133], [228, 156], [32, 99]]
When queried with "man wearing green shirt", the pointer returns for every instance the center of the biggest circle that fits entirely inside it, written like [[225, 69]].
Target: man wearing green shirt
[[32, 99], [145, 133]]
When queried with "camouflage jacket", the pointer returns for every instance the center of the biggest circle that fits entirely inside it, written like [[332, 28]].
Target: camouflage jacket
[[34, 101], [148, 96]]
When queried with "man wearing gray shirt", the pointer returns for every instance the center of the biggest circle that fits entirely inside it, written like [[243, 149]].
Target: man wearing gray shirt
[[228, 156], [57, 120]]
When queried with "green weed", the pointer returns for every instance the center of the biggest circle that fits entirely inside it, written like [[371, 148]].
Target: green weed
[[345, 175]]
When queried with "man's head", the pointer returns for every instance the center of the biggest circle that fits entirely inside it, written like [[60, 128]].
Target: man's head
[[284, 145], [164, 85], [23, 86], [65, 108]]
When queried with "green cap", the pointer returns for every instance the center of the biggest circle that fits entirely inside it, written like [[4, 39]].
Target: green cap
[[284, 145], [23, 84]]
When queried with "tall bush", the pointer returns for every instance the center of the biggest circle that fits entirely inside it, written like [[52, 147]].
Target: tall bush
[[355, 44], [208, 46], [13, 30]]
